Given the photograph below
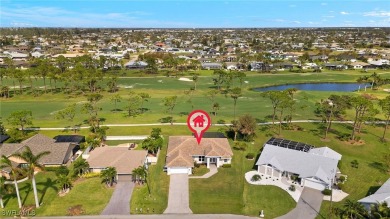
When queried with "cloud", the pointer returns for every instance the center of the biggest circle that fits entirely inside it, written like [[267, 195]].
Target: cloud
[[58, 17], [344, 13], [377, 14]]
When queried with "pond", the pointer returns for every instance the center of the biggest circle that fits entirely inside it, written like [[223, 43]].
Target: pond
[[346, 87]]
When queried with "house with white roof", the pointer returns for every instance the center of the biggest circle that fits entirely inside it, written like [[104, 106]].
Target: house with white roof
[[380, 196], [314, 167]]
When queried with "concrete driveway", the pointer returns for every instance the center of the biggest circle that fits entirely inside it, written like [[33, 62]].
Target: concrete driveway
[[178, 199], [308, 205], [120, 200]]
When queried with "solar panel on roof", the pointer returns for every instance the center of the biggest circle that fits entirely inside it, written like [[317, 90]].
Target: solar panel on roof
[[299, 146]]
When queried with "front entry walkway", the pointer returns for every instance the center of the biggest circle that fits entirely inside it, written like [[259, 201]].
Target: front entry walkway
[[213, 170], [308, 206], [120, 200], [178, 199]]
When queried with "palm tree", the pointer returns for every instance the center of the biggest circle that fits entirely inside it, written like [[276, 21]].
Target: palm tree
[[33, 162], [64, 182], [140, 175], [235, 94], [109, 175], [354, 210], [2, 189], [380, 210], [6, 163], [80, 166]]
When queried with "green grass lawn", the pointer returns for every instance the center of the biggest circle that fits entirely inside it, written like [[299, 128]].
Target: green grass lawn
[[200, 171], [90, 193], [158, 183], [45, 106], [227, 192]]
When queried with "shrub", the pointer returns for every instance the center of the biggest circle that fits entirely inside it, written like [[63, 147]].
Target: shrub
[[250, 156], [355, 164], [90, 175], [227, 166], [340, 186], [240, 146], [342, 178], [292, 188], [256, 178], [327, 192], [294, 177], [344, 137], [52, 169], [196, 165], [221, 121], [62, 170]]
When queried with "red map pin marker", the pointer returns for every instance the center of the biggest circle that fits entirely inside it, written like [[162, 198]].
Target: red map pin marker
[[198, 122]]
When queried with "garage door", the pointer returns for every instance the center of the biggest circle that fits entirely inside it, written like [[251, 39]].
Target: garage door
[[314, 185], [124, 177], [177, 170]]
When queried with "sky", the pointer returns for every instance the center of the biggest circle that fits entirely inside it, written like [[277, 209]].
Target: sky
[[194, 13]]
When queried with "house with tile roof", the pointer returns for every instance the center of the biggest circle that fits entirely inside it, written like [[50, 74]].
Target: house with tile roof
[[183, 151], [315, 167], [380, 196]]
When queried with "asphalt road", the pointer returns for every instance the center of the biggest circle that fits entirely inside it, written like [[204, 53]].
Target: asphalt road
[[159, 216]]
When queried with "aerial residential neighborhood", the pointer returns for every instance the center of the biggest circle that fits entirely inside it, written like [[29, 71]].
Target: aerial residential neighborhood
[[133, 109]]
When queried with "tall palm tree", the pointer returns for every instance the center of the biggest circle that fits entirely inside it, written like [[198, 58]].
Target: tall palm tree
[[6, 163], [33, 162], [235, 93], [2, 189]]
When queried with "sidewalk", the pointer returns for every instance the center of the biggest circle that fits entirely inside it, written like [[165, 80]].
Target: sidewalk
[[213, 171]]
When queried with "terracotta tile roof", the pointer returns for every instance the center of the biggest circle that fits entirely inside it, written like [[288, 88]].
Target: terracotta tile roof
[[182, 148], [123, 159], [39, 143]]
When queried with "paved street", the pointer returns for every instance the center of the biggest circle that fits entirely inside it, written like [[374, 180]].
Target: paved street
[[178, 200], [120, 200], [308, 205], [160, 216]]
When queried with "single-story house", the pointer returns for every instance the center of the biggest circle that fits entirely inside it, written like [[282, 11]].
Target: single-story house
[[183, 151], [123, 159], [380, 196], [357, 65], [60, 152], [315, 167], [136, 65], [211, 65]]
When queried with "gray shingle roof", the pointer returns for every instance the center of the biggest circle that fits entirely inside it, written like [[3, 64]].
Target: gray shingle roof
[[40, 143], [305, 164]]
